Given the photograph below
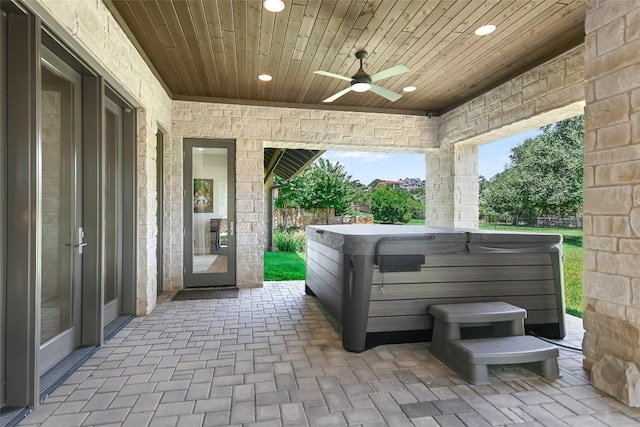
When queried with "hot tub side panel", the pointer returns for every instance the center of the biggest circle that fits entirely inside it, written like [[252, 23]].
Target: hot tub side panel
[[356, 297], [324, 276], [400, 301]]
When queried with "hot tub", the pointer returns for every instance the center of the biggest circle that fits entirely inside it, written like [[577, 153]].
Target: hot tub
[[378, 281]]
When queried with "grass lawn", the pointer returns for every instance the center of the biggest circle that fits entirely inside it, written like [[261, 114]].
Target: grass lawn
[[284, 266], [290, 265], [416, 222]]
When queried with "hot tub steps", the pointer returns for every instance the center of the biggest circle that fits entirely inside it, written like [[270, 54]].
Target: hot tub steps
[[478, 319], [470, 358], [495, 333]]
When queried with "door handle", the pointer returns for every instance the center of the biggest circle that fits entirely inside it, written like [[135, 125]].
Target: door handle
[[81, 244], [230, 228]]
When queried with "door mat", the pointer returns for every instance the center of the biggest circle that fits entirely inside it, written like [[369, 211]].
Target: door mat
[[194, 294]]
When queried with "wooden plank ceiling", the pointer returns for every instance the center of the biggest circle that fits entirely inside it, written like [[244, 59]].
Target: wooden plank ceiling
[[217, 48]]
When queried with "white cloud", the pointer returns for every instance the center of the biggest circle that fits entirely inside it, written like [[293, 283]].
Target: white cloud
[[360, 155]]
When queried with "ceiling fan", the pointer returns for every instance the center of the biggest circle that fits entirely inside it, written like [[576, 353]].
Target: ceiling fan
[[362, 82]]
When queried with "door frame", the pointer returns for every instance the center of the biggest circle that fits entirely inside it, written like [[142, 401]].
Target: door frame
[[3, 196], [160, 141], [191, 280], [22, 302], [128, 200], [114, 308]]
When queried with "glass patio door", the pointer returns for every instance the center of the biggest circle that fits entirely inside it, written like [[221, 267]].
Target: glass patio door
[[61, 234], [209, 212]]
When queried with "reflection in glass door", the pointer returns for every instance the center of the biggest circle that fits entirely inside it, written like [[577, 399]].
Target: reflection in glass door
[[209, 213], [61, 234], [113, 212]]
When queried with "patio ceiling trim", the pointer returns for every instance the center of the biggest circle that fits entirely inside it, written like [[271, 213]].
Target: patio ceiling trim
[[287, 163], [329, 107]]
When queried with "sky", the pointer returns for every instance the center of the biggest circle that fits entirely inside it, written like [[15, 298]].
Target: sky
[[365, 166]]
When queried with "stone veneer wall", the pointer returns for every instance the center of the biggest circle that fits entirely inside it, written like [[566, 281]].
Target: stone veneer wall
[[255, 127], [611, 278], [93, 27], [546, 94]]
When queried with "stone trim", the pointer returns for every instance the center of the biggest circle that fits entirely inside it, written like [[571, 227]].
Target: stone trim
[[546, 94]]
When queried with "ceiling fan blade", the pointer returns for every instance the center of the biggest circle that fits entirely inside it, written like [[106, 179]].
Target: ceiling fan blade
[[385, 93], [335, 76], [390, 72], [338, 95]]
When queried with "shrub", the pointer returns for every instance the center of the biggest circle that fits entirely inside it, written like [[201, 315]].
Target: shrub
[[289, 241], [390, 205]]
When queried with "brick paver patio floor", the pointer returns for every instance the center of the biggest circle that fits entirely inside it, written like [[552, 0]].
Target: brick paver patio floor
[[272, 358]]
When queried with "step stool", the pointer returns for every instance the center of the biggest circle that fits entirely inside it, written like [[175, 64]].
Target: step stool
[[504, 341], [471, 357], [503, 320]]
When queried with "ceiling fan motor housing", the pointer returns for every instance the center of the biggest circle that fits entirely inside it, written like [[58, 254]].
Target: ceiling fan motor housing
[[361, 76]]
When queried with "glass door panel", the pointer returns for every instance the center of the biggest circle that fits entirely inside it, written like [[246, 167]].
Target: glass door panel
[[209, 173], [210, 243], [61, 232], [113, 212]]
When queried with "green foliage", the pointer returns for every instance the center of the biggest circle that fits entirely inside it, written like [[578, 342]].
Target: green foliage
[[284, 266], [543, 177], [323, 185], [418, 203], [390, 205], [289, 241]]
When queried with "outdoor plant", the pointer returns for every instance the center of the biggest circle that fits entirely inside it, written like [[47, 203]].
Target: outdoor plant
[[390, 205], [323, 185], [289, 240]]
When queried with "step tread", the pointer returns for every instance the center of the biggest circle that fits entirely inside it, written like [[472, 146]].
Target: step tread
[[504, 350], [476, 312]]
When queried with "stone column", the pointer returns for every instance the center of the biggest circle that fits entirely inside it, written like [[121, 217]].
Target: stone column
[[611, 280], [452, 186], [268, 214], [249, 213], [147, 207], [465, 186]]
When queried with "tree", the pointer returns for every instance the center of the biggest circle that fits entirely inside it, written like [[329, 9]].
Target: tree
[[323, 185], [390, 205], [544, 175], [418, 202]]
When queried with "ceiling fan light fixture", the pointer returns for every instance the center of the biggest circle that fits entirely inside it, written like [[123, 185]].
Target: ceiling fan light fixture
[[265, 77], [360, 87], [485, 29], [409, 89], [273, 5]]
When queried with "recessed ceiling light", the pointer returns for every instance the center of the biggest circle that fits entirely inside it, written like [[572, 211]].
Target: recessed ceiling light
[[485, 29], [265, 77], [409, 89], [273, 5]]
